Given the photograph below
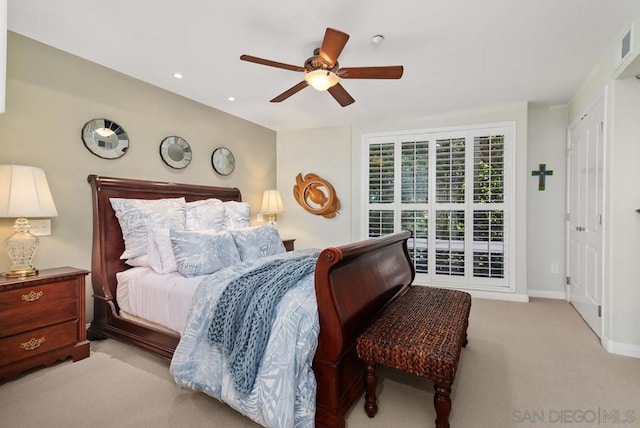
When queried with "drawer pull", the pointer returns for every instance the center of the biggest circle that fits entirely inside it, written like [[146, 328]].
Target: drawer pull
[[32, 344], [32, 297]]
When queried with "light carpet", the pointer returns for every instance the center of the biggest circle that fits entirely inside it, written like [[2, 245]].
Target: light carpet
[[531, 364]]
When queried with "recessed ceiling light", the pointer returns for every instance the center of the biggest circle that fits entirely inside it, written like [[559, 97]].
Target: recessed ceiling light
[[231, 99], [377, 39], [177, 75]]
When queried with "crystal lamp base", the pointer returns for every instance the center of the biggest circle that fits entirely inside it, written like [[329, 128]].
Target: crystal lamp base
[[21, 246]]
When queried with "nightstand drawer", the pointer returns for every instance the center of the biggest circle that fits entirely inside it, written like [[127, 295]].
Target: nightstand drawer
[[36, 342], [29, 308]]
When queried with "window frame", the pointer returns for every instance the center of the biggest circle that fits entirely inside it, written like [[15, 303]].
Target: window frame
[[468, 281]]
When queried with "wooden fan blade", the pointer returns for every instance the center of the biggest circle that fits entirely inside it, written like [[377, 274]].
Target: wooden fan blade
[[387, 72], [332, 45], [286, 94], [341, 95], [270, 63]]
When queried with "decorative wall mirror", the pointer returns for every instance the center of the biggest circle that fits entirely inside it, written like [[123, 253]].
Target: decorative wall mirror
[[105, 138], [223, 161], [175, 152]]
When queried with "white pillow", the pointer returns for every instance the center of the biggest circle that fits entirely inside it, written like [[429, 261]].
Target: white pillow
[[237, 214], [201, 254], [160, 254], [207, 214], [140, 261], [258, 241], [138, 216]]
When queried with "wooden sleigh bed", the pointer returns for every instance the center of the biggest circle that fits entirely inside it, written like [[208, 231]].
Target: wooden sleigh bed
[[352, 282]]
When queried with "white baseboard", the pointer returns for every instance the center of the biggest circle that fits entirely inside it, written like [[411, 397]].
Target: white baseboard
[[496, 295], [546, 294], [626, 349]]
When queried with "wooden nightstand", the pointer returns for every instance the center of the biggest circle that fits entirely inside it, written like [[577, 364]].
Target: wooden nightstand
[[42, 319], [288, 244]]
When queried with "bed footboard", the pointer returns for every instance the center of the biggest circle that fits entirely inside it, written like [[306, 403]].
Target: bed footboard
[[353, 283]]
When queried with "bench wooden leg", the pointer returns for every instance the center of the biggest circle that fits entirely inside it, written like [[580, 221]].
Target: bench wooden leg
[[466, 327], [442, 403], [370, 405]]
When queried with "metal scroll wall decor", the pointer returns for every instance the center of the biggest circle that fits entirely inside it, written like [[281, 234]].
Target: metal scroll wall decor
[[316, 195]]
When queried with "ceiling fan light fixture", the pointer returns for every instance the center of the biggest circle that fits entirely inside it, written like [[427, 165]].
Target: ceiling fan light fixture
[[321, 79], [322, 71]]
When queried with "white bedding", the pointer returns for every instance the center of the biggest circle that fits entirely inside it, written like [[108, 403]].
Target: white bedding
[[163, 299]]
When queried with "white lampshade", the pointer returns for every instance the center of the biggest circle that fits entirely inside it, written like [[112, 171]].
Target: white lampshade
[[271, 202], [24, 192], [272, 205]]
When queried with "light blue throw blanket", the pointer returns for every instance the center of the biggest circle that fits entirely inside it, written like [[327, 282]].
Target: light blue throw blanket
[[245, 311], [284, 392]]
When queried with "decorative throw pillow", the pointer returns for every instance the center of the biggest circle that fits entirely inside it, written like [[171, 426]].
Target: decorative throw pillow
[[160, 252], [202, 254], [137, 216], [206, 214], [237, 214], [140, 261], [258, 241], [160, 256]]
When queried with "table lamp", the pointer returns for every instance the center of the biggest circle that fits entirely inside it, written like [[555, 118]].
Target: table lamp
[[24, 192], [272, 205]]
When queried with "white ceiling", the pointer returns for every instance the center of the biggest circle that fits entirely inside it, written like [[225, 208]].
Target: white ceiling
[[456, 53]]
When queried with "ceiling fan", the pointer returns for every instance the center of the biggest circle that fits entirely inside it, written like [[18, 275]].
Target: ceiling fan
[[323, 72]]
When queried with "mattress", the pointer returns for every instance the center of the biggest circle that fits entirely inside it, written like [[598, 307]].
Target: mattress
[[162, 299]]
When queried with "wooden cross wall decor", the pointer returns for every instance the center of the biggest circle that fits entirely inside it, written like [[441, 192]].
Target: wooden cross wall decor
[[542, 173]]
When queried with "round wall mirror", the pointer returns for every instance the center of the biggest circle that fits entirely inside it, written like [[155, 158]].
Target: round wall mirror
[[223, 161], [175, 152], [105, 138]]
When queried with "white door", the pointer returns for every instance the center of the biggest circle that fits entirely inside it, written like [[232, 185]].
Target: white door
[[586, 168]]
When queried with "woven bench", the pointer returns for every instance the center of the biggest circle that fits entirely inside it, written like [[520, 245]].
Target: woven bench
[[422, 332]]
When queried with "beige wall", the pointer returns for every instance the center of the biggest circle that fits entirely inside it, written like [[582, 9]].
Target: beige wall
[[621, 318], [327, 153], [337, 153], [622, 275], [547, 143], [3, 52], [51, 94]]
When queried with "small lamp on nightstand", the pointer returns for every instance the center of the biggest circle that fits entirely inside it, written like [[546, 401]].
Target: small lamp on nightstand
[[24, 192], [272, 205]]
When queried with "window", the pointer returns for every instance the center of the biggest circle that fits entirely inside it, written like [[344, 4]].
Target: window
[[449, 187]]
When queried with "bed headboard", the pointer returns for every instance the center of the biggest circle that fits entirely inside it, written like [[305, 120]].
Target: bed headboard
[[108, 244]]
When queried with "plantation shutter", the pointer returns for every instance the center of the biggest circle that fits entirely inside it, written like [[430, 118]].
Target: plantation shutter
[[488, 190], [381, 189], [414, 193], [450, 199], [448, 188]]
